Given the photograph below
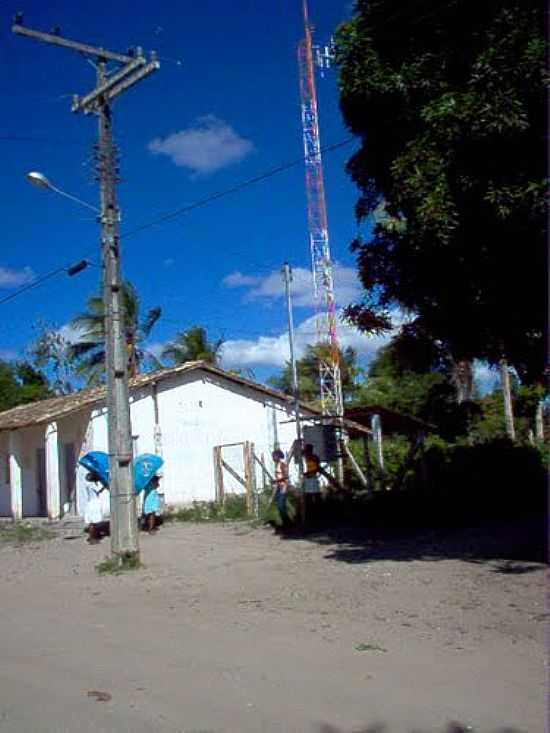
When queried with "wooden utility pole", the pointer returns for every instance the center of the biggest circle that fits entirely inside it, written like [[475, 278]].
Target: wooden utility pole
[[132, 67]]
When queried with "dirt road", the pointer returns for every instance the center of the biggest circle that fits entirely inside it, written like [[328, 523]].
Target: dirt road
[[230, 628]]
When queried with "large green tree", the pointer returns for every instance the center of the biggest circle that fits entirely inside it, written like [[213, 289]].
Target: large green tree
[[21, 383], [89, 350], [415, 375], [447, 99], [193, 345], [308, 373]]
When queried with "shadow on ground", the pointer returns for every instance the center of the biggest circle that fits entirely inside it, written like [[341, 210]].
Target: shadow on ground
[[511, 547], [381, 728]]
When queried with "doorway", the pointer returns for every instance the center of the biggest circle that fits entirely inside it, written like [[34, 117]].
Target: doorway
[[68, 487], [41, 503]]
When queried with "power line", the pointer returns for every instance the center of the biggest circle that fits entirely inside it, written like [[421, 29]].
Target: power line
[[228, 191], [33, 284], [179, 212]]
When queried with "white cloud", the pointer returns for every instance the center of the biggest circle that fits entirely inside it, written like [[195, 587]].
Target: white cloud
[[12, 278], [347, 287], [169, 262], [274, 350], [207, 146], [237, 279]]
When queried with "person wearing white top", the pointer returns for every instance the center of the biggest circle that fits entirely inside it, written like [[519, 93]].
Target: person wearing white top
[[94, 512]]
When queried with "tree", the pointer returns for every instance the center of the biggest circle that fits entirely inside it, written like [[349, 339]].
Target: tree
[[50, 354], [21, 383], [308, 373], [89, 350], [405, 373], [448, 102], [415, 375], [193, 345]]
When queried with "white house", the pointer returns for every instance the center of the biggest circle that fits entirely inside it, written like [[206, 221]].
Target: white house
[[183, 413]]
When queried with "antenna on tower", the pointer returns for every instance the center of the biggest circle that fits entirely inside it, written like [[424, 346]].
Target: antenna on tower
[[323, 286]]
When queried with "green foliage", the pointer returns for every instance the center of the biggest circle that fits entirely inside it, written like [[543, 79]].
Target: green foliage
[[448, 104], [415, 376], [308, 373], [193, 345], [119, 565], [50, 353], [454, 485], [88, 353], [233, 509], [490, 423], [21, 383]]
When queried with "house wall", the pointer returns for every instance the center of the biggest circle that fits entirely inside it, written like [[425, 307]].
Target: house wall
[[197, 414], [31, 440], [5, 495], [197, 411], [73, 435]]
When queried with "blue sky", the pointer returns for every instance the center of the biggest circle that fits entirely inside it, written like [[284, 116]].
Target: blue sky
[[223, 108]]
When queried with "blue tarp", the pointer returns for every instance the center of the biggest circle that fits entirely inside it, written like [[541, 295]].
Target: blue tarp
[[145, 467], [98, 462]]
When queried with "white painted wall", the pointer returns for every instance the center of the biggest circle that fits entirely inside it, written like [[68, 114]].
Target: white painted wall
[[5, 494], [197, 411], [72, 430], [29, 440]]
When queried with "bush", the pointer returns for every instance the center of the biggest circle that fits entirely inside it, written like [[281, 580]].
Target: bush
[[453, 485], [233, 509]]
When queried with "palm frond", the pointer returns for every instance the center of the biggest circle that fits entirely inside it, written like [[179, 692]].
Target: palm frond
[[81, 349], [149, 321]]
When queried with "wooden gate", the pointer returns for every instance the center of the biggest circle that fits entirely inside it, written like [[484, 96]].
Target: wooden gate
[[247, 480]]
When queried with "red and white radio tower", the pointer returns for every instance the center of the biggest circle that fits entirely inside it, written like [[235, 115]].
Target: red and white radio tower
[[329, 365]]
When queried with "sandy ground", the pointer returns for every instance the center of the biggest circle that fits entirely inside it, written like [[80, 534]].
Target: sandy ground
[[231, 628]]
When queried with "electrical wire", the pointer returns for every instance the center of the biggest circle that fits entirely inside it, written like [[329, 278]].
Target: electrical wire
[[180, 211], [228, 191], [33, 284]]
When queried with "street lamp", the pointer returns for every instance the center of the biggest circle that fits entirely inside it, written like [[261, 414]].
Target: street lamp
[[41, 181], [124, 538]]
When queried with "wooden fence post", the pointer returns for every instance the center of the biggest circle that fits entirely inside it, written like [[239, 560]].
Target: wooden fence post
[[254, 502], [218, 474], [248, 475]]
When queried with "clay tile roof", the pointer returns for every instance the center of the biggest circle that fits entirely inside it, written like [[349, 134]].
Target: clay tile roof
[[44, 411]]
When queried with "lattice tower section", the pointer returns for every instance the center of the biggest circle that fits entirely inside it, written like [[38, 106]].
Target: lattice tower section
[[323, 285]]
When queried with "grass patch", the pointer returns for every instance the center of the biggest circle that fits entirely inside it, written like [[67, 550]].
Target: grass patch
[[24, 533], [118, 565], [233, 510]]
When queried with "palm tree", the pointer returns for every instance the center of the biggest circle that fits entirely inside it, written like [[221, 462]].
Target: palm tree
[[89, 350], [193, 345]]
